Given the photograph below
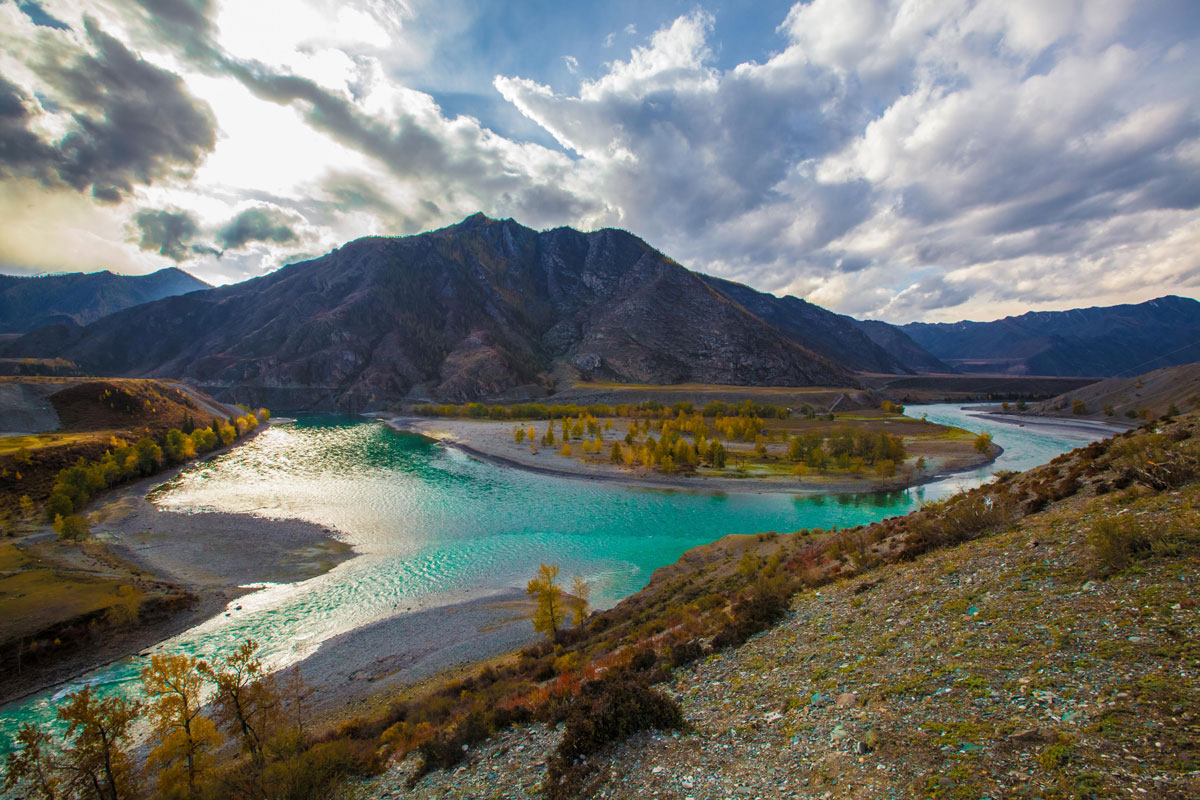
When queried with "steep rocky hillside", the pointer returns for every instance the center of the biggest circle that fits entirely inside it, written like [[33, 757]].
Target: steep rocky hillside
[[81, 298], [843, 340], [483, 309], [1096, 342], [1150, 395]]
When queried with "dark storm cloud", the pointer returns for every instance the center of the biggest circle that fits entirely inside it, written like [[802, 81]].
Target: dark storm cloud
[[21, 151], [170, 233], [136, 123], [133, 123], [258, 225]]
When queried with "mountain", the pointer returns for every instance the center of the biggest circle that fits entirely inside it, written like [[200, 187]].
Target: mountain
[[81, 298], [482, 309], [901, 347], [1095, 342], [839, 338]]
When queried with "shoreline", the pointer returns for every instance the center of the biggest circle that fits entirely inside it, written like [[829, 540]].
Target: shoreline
[[364, 666], [207, 559], [1067, 426], [426, 427]]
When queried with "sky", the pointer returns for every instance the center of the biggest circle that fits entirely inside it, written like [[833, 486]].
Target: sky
[[890, 159]]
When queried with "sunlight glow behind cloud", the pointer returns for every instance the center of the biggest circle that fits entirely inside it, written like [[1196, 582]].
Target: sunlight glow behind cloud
[[903, 159]]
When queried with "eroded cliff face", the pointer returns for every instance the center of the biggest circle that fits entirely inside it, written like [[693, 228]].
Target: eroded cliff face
[[484, 309]]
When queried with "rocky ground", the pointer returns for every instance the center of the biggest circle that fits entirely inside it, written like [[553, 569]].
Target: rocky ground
[[1011, 666]]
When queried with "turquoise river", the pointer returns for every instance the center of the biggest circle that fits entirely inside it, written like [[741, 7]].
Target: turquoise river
[[432, 526]]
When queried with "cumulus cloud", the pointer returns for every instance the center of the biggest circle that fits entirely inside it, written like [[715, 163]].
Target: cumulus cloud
[[130, 122], [894, 158], [905, 159], [168, 232], [259, 224]]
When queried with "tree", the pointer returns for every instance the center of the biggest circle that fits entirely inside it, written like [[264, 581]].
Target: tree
[[920, 466], [179, 445], [246, 698], [149, 455], [519, 435], [98, 729], [71, 527], [983, 442], [581, 590], [31, 766], [718, 455], [615, 455], [549, 614], [186, 738], [1078, 406]]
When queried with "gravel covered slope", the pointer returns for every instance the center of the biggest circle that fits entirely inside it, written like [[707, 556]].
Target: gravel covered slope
[[1011, 666]]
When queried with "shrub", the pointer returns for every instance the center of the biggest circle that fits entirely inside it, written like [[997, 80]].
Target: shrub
[[683, 653], [1119, 541], [757, 612], [606, 711], [313, 773]]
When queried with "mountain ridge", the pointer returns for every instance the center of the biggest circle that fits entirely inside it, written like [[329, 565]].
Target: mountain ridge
[[481, 309], [80, 298], [1100, 341]]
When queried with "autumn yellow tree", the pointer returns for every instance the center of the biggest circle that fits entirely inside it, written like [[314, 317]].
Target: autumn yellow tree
[[581, 590], [186, 738], [96, 762], [32, 766], [246, 698], [544, 589]]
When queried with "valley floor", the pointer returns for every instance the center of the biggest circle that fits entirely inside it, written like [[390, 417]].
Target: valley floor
[[946, 451]]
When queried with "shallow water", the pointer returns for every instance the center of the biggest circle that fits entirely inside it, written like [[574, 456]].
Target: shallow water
[[433, 526]]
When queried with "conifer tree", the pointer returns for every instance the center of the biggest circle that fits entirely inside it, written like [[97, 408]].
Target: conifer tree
[[549, 614]]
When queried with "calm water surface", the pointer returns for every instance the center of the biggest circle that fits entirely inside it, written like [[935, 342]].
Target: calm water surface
[[433, 527]]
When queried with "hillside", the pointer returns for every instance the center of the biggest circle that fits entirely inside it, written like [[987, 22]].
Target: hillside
[[1035, 637], [1145, 396], [1096, 342], [48, 423], [82, 298], [69, 601], [482, 309]]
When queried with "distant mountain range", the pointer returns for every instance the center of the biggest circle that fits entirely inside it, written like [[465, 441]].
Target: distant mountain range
[[483, 309], [1095, 342], [81, 298], [490, 309]]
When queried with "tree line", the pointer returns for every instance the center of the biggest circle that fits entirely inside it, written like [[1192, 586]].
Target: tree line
[[649, 409], [74, 486]]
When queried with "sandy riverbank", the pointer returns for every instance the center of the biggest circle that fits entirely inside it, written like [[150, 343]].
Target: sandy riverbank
[[203, 560], [493, 442], [368, 665], [1052, 425]]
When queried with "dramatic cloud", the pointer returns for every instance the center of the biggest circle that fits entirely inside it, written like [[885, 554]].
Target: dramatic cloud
[[168, 232], [132, 122], [967, 144], [262, 224], [891, 158]]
